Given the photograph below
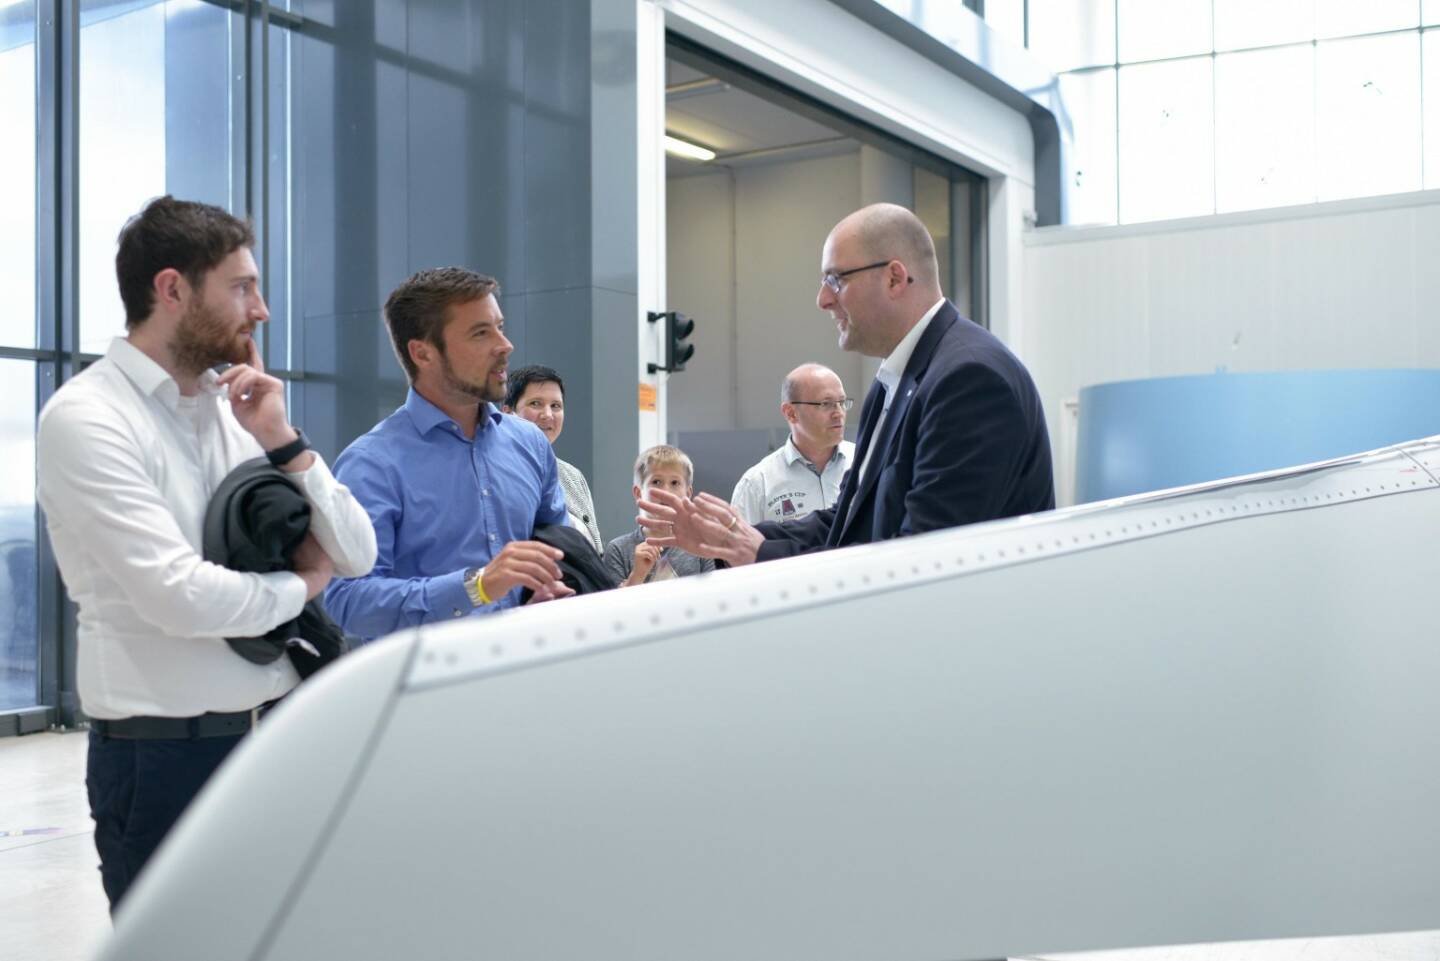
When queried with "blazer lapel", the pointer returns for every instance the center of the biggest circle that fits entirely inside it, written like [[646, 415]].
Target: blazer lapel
[[899, 405], [869, 414]]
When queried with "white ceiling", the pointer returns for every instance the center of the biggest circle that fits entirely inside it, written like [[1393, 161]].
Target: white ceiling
[[740, 127]]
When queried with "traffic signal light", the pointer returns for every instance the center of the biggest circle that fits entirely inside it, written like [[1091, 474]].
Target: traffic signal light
[[678, 329]]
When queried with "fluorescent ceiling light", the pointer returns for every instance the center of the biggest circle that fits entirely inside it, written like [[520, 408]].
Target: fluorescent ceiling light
[[690, 151]]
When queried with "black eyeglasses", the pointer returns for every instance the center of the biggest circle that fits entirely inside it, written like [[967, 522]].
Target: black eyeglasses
[[833, 278], [828, 405]]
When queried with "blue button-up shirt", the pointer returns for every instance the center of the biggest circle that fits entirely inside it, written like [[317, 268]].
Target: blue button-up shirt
[[440, 504]]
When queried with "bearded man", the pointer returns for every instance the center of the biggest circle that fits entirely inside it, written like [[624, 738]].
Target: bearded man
[[128, 453], [453, 488]]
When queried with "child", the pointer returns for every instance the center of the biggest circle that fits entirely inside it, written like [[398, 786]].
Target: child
[[628, 557]]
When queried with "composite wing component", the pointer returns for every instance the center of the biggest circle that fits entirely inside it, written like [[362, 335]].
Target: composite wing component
[[1203, 714]]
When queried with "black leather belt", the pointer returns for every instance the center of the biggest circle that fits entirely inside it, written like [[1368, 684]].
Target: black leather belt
[[180, 728]]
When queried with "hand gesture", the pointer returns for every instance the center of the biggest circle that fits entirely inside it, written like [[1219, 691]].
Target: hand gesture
[[523, 564], [646, 557], [258, 402], [705, 526]]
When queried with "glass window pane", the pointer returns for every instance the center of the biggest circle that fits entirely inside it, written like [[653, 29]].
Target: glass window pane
[[1429, 12], [1346, 18], [1367, 101], [1089, 100], [155, 112], [17, 174], [1167, 129], [1260, 23], [1265, 128], [1152, 31], [1430, 101], [19, 660], [1066, 34], [1007, 17]]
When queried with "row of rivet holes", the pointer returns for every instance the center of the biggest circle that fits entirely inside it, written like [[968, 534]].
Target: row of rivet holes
[[498, 650]]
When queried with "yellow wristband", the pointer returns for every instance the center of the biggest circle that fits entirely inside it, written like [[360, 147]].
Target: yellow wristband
[[480, 588]]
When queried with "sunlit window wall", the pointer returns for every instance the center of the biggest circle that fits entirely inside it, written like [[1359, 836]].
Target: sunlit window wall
[[1193, 107]]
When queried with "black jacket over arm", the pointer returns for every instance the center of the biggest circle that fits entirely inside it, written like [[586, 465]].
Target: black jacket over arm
[[964, 442], [253, 523]]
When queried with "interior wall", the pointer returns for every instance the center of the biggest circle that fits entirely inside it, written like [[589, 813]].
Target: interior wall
[[744, 260], [1347, 284]]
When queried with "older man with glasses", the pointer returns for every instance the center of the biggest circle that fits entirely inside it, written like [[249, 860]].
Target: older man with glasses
[[952, 430], [803, 475]]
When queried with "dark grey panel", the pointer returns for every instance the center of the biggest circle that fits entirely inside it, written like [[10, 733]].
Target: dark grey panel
[[614, 355], [555, 196], [558, 335], [431, 132]]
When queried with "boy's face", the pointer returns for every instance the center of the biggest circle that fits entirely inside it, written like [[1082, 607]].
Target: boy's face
[[670, 479]]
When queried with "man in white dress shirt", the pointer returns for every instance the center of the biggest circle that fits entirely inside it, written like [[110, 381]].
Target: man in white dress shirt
[[803, 474], [128, 455]]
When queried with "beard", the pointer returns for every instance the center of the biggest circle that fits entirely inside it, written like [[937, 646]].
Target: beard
[[483, 391], [204, 339]]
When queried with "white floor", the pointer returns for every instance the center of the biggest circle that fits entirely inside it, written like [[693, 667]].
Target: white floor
[[53, 909]]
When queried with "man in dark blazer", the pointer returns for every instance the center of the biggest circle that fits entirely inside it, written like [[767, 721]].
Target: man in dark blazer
[[952, 430]]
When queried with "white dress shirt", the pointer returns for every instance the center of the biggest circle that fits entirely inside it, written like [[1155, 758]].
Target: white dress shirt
[[126, 468], [785, 486], [892, 368]]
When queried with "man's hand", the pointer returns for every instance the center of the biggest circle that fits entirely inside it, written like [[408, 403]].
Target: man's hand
[[646, 557], [705, 526], [258, 402], [554, 591], [523, 564], [313, 565]]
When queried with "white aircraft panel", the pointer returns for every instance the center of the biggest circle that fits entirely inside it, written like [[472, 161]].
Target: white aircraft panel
[[1202, 715]]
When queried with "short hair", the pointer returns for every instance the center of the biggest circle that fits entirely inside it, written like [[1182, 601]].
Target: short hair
[[790, 386], [518, 380], [662, 455], [416, 309], [170, 234], [889, 230]]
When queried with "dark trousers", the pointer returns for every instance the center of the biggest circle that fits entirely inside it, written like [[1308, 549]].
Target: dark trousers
[[138, 789]]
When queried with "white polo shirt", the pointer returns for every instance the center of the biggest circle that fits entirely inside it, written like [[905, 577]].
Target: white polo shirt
[[786, 487]]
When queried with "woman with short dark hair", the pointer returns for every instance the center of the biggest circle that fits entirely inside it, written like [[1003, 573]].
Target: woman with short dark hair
[[537, 394]]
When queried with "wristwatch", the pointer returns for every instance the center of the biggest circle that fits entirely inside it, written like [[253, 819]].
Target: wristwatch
[[473, 590], [284, 454]]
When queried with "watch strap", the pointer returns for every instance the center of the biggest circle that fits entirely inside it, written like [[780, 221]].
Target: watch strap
[[284, 454]]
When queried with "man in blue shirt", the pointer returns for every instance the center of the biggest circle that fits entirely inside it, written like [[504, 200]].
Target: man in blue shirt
[[454, 488]]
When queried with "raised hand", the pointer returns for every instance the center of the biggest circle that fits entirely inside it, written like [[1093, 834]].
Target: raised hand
[[646, 557], [258, 402], [705, 526]]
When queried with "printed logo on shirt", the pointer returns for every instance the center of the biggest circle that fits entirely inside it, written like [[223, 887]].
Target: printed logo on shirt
[[787, 508]]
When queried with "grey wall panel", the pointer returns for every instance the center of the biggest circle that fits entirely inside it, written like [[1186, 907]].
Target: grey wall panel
[[432, 133], [554, 195], [613, 390]]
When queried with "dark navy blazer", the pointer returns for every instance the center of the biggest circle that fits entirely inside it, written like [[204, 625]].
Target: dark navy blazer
[[965, 441]]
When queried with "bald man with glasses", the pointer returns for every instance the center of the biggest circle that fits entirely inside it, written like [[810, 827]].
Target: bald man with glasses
[[803, 475], [951, 433]]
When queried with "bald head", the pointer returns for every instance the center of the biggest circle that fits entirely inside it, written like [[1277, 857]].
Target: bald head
[[878, 277], [800, 380], [890, 232]]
